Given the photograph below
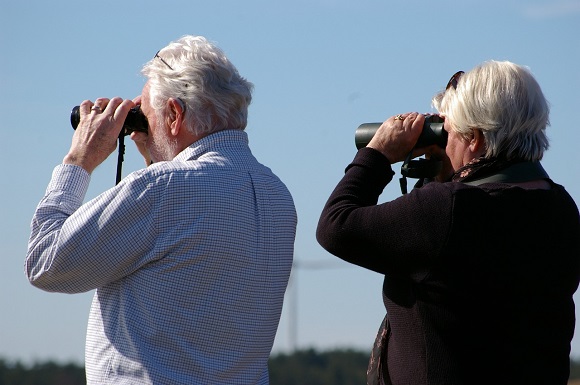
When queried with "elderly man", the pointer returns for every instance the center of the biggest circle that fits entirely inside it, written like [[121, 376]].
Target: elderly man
[[190, 257]]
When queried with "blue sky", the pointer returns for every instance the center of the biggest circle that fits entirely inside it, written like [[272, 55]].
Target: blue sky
[[320, 68]]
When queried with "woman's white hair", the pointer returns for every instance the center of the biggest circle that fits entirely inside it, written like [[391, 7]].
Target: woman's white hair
[[200, 75], [506, 103]]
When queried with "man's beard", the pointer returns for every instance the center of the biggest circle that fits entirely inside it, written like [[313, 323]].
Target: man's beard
[[163, 147]]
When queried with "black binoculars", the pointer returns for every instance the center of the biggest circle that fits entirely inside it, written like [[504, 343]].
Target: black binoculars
[[433, 133], [135, 121]]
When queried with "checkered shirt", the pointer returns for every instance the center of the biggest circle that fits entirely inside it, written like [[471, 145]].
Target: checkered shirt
[[189, 258]]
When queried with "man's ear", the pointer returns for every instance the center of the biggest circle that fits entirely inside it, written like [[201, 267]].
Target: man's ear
[[175, 116]]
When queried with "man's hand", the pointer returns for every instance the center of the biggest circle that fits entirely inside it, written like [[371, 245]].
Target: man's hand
[[96, 136], [140, 139]]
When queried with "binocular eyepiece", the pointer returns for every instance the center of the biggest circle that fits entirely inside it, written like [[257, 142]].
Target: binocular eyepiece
[[433, 133], [135, 121]]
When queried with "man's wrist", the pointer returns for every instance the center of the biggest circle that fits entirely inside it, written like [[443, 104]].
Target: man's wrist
[[75, 160]]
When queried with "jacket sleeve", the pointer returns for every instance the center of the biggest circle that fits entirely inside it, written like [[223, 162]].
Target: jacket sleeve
[[402, 235]]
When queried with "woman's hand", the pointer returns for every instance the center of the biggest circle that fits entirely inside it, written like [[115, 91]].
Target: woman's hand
[[397, 136]]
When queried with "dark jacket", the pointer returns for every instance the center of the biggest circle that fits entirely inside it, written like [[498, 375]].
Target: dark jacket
[[478, 279]]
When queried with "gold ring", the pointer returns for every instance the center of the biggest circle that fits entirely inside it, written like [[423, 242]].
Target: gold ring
[[399, 117]]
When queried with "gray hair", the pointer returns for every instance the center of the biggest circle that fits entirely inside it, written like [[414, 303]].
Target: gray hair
[[505, 102], [199, 74]]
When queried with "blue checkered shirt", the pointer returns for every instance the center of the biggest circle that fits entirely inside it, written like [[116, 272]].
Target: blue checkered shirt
[[189, 258]]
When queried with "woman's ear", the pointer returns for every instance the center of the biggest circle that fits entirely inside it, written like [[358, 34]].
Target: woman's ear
[[477, 143]]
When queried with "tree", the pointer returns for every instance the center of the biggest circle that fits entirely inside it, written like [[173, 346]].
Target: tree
[[48, 373], [308, 367]]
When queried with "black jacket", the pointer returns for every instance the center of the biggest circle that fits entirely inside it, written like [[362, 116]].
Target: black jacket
[[478, 279]]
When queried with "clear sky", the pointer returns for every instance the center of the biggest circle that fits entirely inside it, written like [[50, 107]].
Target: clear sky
[[320, 68]]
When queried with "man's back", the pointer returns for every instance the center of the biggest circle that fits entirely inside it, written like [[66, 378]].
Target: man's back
[[194, 268]]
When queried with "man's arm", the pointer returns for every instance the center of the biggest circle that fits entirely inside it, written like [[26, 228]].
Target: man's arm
[[76, 248]]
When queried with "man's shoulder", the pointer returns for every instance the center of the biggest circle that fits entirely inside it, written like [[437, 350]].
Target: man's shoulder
[[209, 170], [160, 171]]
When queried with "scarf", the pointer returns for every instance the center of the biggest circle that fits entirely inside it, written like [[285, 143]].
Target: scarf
[[481, 167]]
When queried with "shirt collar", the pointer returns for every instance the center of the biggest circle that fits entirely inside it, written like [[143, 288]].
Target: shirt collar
[[218, 140]]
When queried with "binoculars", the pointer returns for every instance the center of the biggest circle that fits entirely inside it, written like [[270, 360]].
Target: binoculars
[[433, 133], [135, 121]]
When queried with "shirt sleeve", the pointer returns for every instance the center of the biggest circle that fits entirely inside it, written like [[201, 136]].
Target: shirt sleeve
[[400, 236], [75, 247]]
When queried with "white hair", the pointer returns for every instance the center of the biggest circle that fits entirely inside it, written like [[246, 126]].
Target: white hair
[[505, 102], [200, 75]]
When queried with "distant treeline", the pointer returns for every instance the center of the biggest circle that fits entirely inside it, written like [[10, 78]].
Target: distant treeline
[[303, 367], [48, 373]]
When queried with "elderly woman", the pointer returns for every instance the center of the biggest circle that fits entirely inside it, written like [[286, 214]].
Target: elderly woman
[[480, 265]]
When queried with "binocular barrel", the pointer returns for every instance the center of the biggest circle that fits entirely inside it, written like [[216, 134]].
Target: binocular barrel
[[135, 121], [433, 133]]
